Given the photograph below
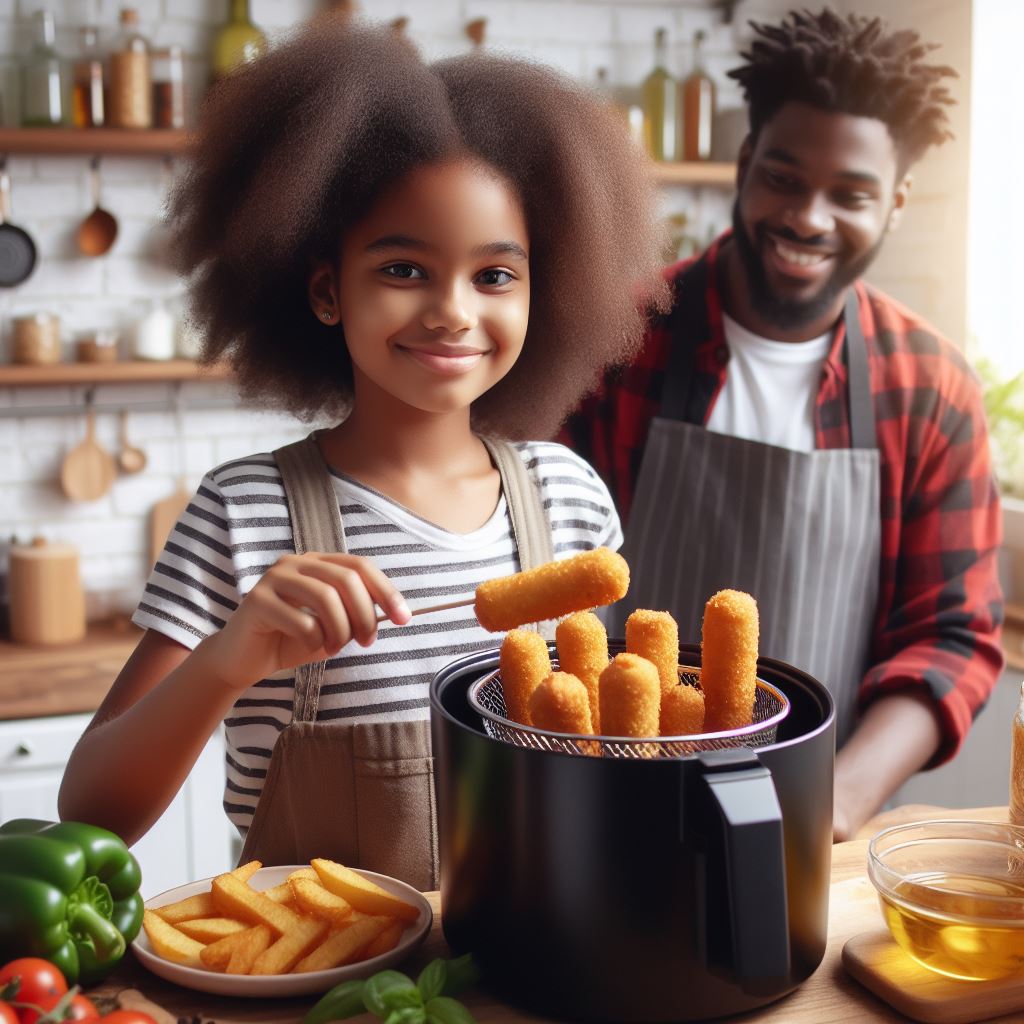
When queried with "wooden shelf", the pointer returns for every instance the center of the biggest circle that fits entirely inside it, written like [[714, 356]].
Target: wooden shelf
[[46, 141], [125, 372], [695, 173]]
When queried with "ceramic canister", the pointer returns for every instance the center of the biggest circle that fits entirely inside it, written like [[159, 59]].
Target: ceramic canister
[[46, 596]]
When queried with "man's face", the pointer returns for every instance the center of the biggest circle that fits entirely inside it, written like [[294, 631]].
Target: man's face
[[817, 191]]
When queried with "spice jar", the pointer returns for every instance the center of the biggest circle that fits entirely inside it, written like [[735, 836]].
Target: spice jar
[[96, 347], [168, 67], [131, 90], [1017, 764], [36, 339], [87, 92], [155, 334]]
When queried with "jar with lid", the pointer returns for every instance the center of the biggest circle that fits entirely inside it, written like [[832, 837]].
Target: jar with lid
[[1017, 763], [131, 89], [155, 334], [168, 70], [36, 339], [87, 105], [97, 346], [42, 86]]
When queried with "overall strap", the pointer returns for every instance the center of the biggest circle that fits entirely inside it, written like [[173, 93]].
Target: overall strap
[[530, 525], [316, 526], [862, 408]]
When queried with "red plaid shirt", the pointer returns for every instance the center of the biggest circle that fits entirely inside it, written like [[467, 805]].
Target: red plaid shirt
[[939, 606]]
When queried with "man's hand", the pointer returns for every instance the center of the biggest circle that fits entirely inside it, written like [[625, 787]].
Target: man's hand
[[897, 736]]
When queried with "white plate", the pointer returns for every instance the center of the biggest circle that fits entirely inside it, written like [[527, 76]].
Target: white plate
[[282, 984]]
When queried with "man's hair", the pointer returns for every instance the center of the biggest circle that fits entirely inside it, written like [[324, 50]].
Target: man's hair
[[850, 65], [294, 148]]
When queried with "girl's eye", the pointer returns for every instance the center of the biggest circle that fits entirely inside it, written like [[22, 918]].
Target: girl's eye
[[403, 271], [495, 278]]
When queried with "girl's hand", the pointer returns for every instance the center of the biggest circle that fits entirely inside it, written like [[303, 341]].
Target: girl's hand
[[305, 608]]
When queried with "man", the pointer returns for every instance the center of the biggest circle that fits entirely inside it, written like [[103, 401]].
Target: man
[[789, 431]]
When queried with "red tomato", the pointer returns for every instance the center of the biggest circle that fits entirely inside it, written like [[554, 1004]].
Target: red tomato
[[8, 1015], [39, 978], [79, 1008], [128, 1017]]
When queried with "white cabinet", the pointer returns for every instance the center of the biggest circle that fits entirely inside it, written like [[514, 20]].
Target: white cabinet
[[193, 839]]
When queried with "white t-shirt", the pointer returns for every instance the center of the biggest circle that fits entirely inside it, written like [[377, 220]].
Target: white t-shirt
[[770, 388], [237, 526]]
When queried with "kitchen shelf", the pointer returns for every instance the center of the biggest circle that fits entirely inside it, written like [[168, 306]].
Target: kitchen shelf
[[123, 372], [90, 141], [695, 173]]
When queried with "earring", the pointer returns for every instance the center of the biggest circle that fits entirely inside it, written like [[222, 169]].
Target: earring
[[326, 314]]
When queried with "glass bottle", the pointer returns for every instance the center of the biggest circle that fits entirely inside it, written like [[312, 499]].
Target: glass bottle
[[659, 104], [237, 41], [41, 86], [1017, 763], [131, 89], [697, 107], [87, 105], [168, 67]]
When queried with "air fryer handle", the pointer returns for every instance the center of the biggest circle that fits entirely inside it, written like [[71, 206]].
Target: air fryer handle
[[753, 882]]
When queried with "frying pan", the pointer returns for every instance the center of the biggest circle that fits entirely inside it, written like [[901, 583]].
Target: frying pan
[[17, 250]]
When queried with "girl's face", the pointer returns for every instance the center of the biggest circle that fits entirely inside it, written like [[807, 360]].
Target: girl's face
[[433, 288]]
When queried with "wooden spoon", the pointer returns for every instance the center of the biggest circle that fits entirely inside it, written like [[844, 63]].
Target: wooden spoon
[[88, 470], [98, 232], [131, 459]]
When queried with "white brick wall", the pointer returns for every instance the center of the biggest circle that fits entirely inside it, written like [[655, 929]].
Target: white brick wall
[[51, 194]]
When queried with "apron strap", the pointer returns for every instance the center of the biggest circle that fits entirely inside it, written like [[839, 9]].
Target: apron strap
[[316, 526], [688, 325], [530, 526]]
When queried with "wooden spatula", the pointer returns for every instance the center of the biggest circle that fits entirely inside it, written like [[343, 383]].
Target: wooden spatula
[[163, 516], [88, 470]]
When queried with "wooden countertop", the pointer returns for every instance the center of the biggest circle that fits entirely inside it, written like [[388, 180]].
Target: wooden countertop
[[830, 994], [37, 681]]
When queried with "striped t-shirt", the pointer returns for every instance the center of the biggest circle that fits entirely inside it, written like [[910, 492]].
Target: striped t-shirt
[[237, 526]]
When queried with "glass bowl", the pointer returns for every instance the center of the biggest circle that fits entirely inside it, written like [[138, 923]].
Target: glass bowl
[[952, 894]]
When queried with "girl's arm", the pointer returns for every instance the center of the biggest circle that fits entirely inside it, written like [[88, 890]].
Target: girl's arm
[[166, 702]]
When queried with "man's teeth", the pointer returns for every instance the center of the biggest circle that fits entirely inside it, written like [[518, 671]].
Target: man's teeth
[[801, 259]]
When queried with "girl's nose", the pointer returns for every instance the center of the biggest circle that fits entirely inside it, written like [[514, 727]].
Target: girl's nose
[[452, 309]]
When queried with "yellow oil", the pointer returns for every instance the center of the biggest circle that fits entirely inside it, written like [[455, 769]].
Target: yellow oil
[[943, 930]]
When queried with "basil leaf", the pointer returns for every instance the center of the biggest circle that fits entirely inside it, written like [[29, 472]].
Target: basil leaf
[[442, 1010], [343, 1001], [410, 1015], [390, 990], [432, 978], [462, 974]]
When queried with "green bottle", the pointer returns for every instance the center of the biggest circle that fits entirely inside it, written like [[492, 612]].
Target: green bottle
[[238, 41], [659, 104]]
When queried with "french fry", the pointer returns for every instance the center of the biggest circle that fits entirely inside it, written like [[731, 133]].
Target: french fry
[[235, 899], [343, 947], [305, 873], [168, 942], [210, 929], [361, 892], [312, 898], [279, 893], [201, 905], [291, 947], [251, 943], [386, 941]]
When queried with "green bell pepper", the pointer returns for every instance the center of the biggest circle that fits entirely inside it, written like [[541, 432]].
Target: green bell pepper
[[69, 893]]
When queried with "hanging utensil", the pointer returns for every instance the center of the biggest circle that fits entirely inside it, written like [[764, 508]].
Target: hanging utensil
[[130, 458], [88, 471], [17, 250], [97, 233]]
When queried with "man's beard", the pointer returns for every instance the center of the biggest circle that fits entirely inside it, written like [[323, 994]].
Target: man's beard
[[788, 314]]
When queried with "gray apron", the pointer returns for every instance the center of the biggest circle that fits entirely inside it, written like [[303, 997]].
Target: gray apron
[[362, 794], [800, 531]]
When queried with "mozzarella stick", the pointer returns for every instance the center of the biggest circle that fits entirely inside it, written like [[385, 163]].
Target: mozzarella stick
[[588, 580], [630, 697], [682, 711], [729, 660], [561, 704], [655, 636], [583, 652], [524, 662]]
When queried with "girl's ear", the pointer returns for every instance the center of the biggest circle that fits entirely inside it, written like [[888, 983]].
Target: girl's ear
[[323, 292]]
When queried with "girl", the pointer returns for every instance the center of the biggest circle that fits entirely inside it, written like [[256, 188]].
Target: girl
[[434, 257]]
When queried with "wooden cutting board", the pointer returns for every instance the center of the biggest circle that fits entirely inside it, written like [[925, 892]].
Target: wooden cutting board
[[162, 518], [879, 964]]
